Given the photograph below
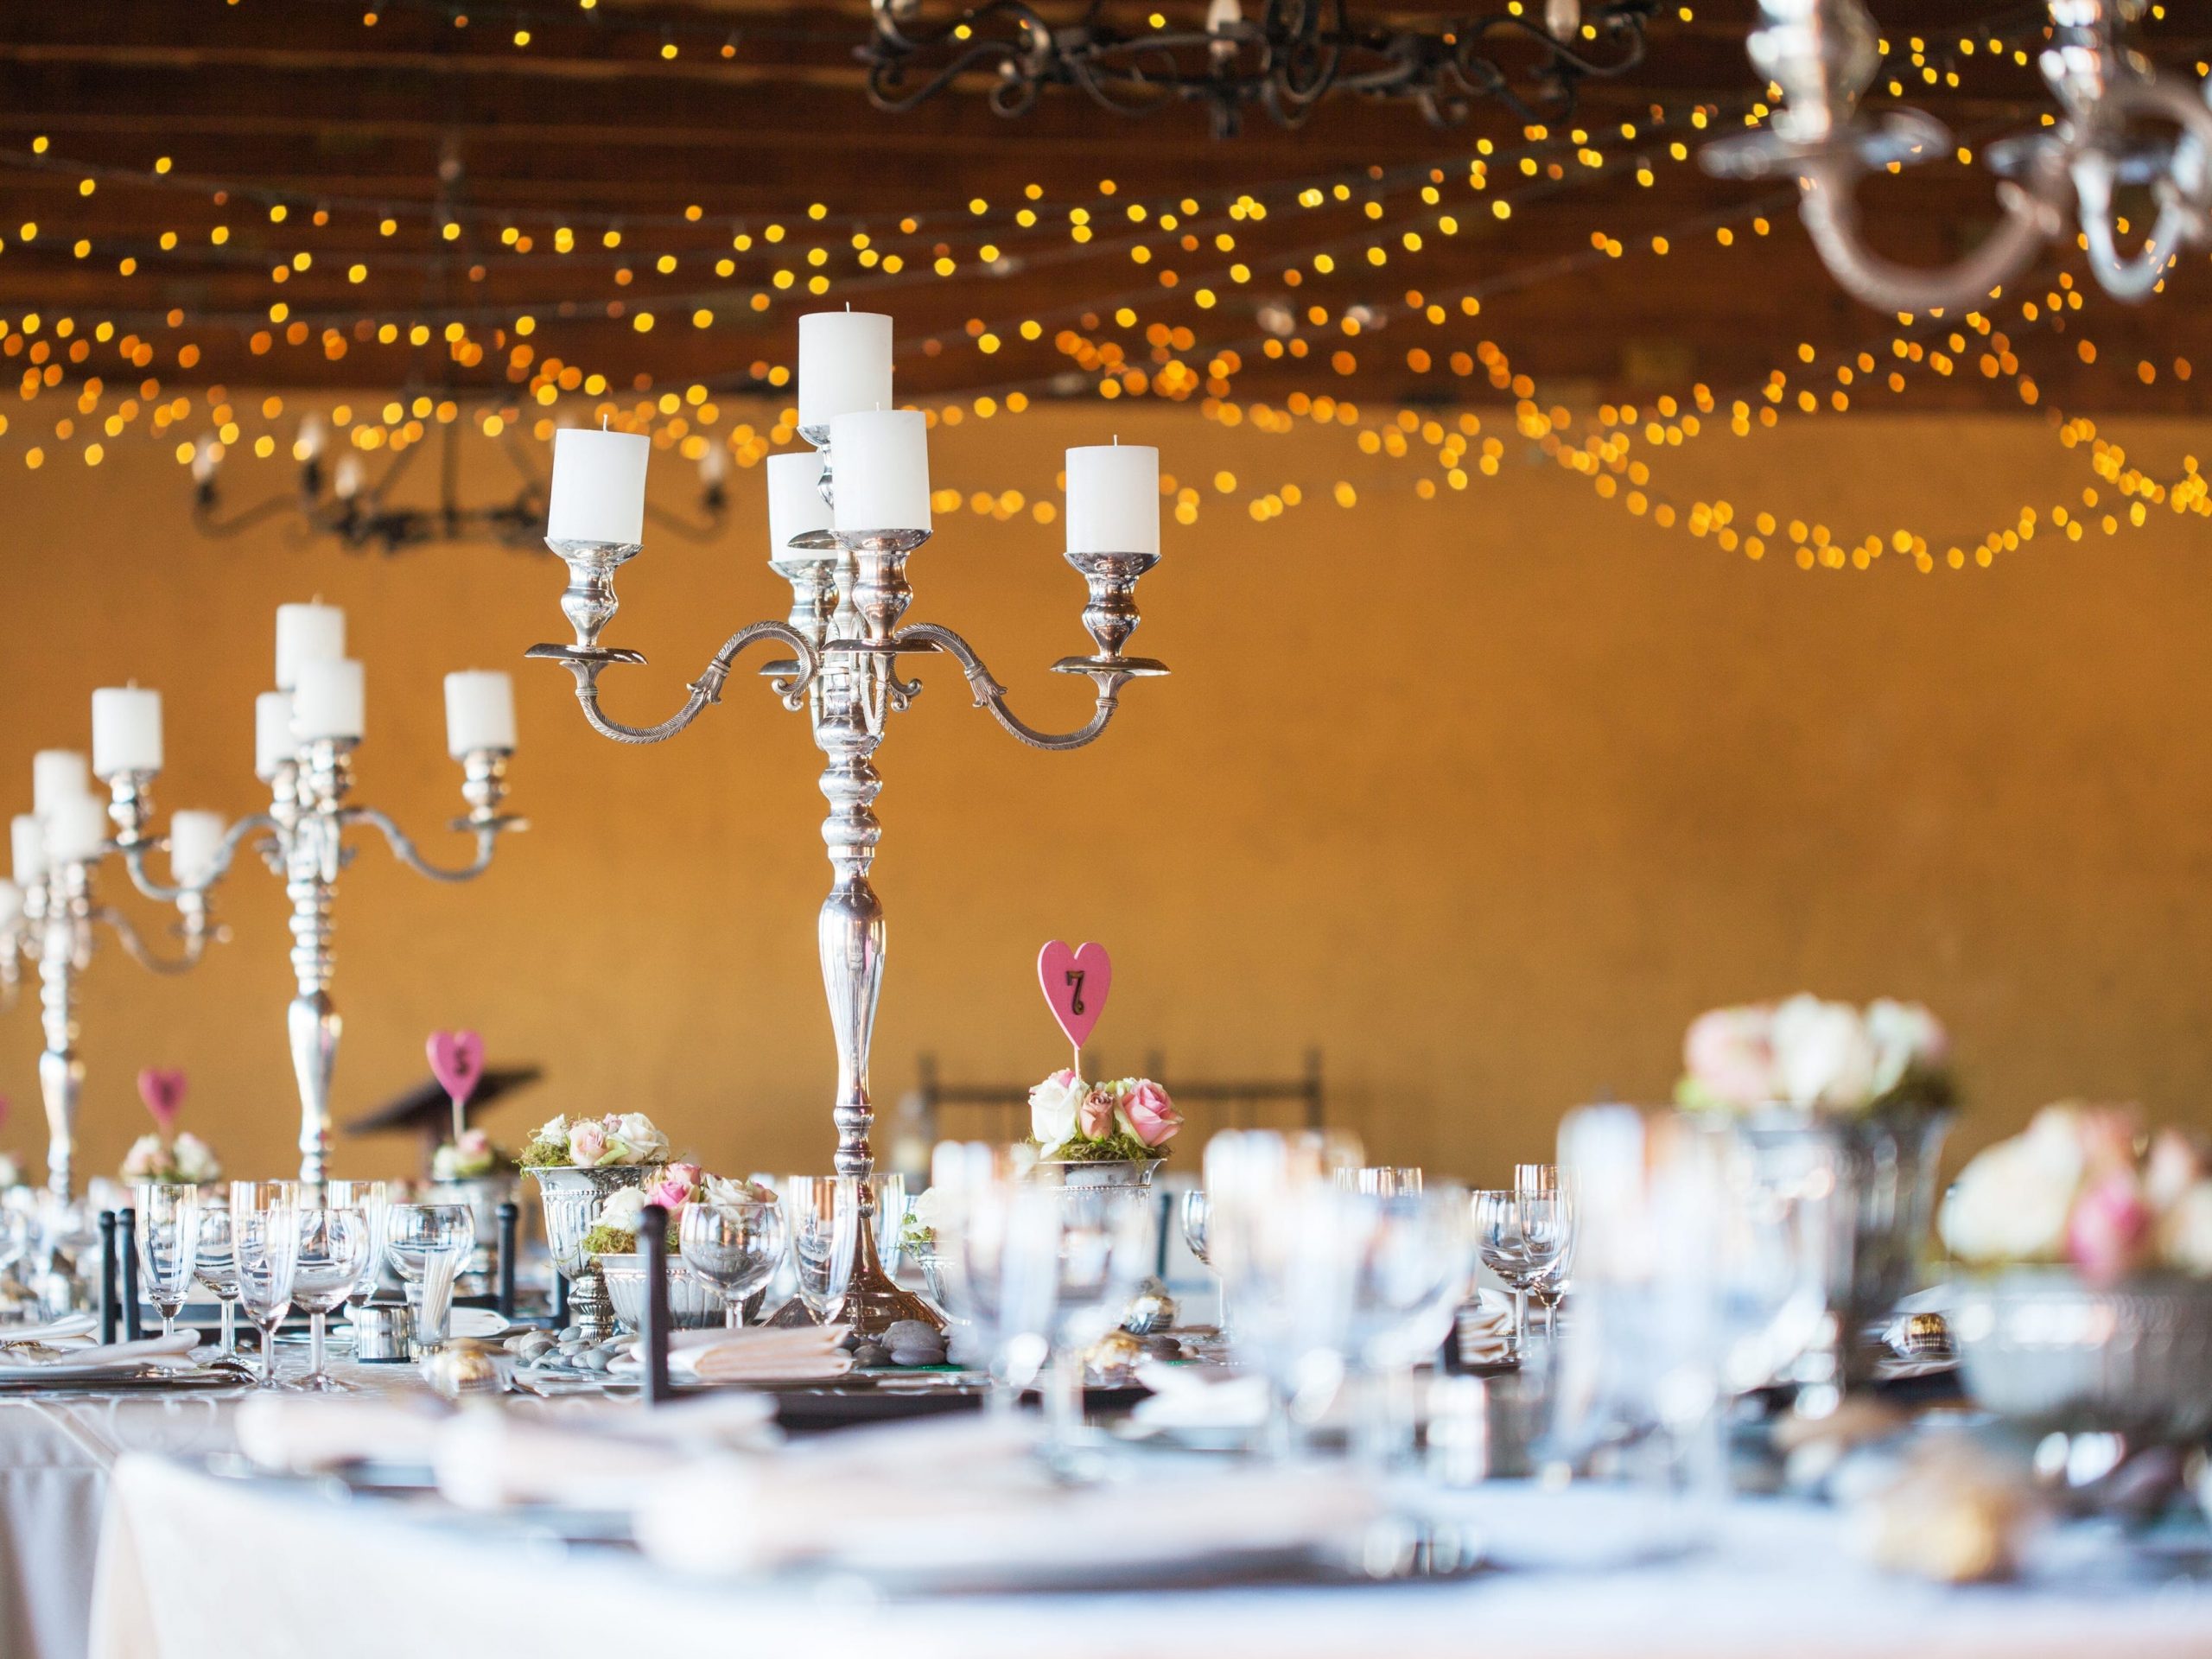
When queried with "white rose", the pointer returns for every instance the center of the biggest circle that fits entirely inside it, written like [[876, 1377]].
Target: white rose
[[930, 1209], [146, 1160], [2012, 1203], [556, 1129], [1052, 1107], [195, 1161], [623, 1210], [12, 1172], [1905, 1036], [2185, 1234], [1821, 1053], [642, 1143]]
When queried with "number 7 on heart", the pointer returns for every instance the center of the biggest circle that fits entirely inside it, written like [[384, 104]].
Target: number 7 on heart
[[1075, 983]]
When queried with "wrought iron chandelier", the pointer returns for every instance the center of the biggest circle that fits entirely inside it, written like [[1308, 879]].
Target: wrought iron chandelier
[[1284, 60], [1823, 54], [342, 502]]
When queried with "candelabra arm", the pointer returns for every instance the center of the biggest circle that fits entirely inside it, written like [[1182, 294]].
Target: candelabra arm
[[1831, 217], [990, 695], [404, 848], [194, 929], [134, 860], [586, 664]]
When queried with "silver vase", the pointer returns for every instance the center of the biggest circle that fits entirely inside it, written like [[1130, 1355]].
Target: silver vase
[[2043, 1347], [1879, 1174], [572, 1198]]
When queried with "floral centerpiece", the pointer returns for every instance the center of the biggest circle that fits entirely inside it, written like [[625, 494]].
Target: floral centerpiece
[[185, 1158], [596, 1143], [2083, 1187], [1816, 1056], [1072, 1121], [615, 1233], [2088, 1304], [472, 1158]]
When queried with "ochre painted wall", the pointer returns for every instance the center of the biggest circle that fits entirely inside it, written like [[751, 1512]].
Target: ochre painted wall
[[1485, 797]]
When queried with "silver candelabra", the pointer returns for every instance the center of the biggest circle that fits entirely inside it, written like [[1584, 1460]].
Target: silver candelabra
[[849, 594], [304, 842], [53, 925]]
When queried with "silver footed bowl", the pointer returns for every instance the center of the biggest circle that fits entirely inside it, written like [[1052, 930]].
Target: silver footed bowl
[[572, 1198], [2045, 1348], [693, 1303]]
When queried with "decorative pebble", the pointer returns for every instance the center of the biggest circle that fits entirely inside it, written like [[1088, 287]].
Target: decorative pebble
[[571, 1333], [918, 1356], [907, 1334], [593, 1359], [868, 1354]]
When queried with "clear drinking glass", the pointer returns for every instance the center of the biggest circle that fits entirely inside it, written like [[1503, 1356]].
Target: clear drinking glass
[[1416, 1269], [216, 1267], [1386, 1181], [169, 1239], [890, 1220], [265, 1246], [735, 1244], [1520, 1237], [333, 1253], [991, 1222], [374, 1200], [824, 1218], [430, 1245]]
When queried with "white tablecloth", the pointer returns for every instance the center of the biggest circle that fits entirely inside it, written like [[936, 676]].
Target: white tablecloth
[[193, 1566]]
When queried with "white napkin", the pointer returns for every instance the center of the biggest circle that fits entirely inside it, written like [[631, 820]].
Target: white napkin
[[802, 1354], [306, 1434], [967, 1496], [162, 1353], [69, 1324], [474, 1322], [439, 1269], [1483, 1329], [1183, 1396]]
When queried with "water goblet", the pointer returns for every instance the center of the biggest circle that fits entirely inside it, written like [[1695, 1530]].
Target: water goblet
[[1416, 1269], [168, 1238], [265, 1248], [215, 1264], [824, 1218], [735, 1244], [333, 1253], [1520, 1237], [430, 1245]]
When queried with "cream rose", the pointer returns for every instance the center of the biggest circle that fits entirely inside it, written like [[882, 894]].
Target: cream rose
[[623, 1210], [2013, 1201], [1053, 1105], [2185, 1235], [1822, 1056]]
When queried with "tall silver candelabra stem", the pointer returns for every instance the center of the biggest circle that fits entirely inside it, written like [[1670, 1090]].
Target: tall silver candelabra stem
[[304, 842], [850, 594]]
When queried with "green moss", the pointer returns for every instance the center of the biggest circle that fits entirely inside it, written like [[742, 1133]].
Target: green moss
[[545, 1154], [1122, 1148]]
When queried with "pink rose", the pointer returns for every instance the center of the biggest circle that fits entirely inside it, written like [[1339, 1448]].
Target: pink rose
[[1150, 1116], [687, 1175], [1727, 1055], [2111, 1230], [670, 1195], [1095, 1117], [587, 1143]]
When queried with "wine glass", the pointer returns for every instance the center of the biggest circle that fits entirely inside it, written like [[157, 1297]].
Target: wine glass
[[824, 1217], [429, 1243], [735, 1244], [333, 1251], [1413, 1274], [265, 1248], [1385, 1180], [890, 1221], [1520, 1237], [168, 1238], [215, 1265], [374, 1200]]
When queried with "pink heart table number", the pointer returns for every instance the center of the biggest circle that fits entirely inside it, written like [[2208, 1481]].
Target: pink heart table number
[[1075, 983], [457, 1062], [162, 1089]]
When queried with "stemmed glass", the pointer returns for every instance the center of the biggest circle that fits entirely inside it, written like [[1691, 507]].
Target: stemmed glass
[[216, 1266], [374, 1200], [1413, 1271], [890, 1221], [824, 1218], [333, 1251], [429, 1243], [1520, 1237], [993, 1223], [169, 1241], [735, 1244], [265, 1252]]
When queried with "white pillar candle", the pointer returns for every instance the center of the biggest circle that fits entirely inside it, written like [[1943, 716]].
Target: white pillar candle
[[27, 842], [76, 830], [58, 775], [126, 730], [795, 503], [307, 634], [599, 487], [844, 365], [328, 702], [882, 460], [273, 743], [195, 839], [479, 712], [1114, 499]]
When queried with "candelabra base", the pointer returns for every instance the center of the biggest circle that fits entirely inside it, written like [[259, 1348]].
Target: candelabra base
[[591, 1309], [873, 1303]]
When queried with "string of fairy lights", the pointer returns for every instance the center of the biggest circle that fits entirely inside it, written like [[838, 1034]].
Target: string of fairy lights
[[1623, 451]]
